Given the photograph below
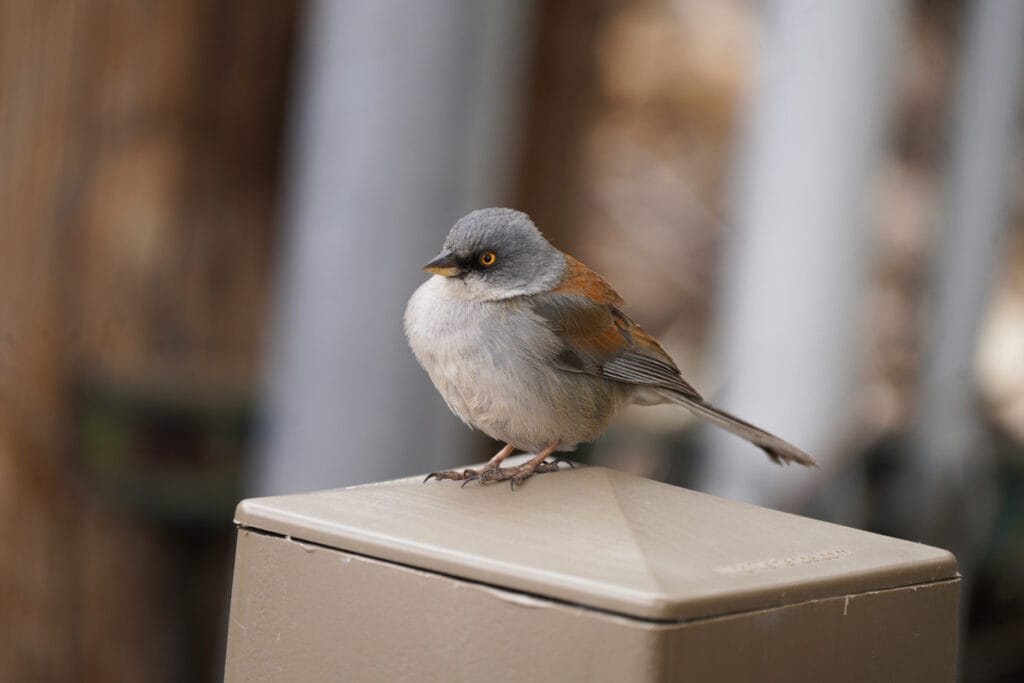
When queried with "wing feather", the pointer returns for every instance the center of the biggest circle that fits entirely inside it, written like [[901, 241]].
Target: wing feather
[[599, 339]]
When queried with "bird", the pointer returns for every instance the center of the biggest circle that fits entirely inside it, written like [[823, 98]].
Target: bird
[[530, 346]]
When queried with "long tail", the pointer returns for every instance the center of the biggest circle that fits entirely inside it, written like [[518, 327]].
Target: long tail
[[779, 450]]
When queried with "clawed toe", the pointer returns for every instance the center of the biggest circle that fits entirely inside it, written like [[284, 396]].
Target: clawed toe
[[525, 471], [468, 475], [552, 465]]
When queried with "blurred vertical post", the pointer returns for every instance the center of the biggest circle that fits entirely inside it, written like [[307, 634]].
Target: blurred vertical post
[[796, 259], [402, 124], [950, 469]]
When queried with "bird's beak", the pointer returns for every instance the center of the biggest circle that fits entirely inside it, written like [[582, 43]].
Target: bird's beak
[[444, 264]]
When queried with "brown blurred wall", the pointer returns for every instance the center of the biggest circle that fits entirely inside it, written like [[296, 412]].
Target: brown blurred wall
[[139, 145]]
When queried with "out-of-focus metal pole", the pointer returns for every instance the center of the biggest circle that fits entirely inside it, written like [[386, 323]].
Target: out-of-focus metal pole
[[401, 124], [948, 487], [796, 256]]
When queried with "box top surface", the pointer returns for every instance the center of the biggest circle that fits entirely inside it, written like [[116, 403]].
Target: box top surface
[[604, 539]]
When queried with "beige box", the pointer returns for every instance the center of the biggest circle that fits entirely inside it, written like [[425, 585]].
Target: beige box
[[583, 575]]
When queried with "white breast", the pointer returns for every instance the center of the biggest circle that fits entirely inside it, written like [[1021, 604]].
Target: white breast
[[489, 360]]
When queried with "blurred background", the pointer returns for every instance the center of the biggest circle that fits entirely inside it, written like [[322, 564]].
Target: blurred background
[[213, 213]]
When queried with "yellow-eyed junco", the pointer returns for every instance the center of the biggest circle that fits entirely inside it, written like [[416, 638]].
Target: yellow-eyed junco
[[530, 346]]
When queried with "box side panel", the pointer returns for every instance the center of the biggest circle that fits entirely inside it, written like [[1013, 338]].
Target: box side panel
[[901, 634], [309, 613]]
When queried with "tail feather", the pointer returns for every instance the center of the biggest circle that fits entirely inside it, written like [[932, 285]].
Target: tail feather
[[779, 450]]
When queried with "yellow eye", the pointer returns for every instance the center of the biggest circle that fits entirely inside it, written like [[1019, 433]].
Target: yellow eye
[[488, 259]]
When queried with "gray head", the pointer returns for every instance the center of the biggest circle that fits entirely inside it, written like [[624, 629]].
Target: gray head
[[496, 254]]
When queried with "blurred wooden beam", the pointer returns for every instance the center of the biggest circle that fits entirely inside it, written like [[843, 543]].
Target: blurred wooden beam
[[559, 104], [140, 147]]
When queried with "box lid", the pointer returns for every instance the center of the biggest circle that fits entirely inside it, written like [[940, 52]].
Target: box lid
[[603, 539]]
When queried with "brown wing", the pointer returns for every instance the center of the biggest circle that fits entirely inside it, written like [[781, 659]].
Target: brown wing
[[599, 339]]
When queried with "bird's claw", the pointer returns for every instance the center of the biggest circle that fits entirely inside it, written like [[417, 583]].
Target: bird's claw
[[514, 475]]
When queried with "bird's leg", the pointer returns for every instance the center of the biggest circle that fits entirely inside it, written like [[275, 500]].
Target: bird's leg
[[468, 475], [499, 457], [493, 471]]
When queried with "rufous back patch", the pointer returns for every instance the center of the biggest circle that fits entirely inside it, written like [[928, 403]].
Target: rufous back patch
[[582, 280]]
